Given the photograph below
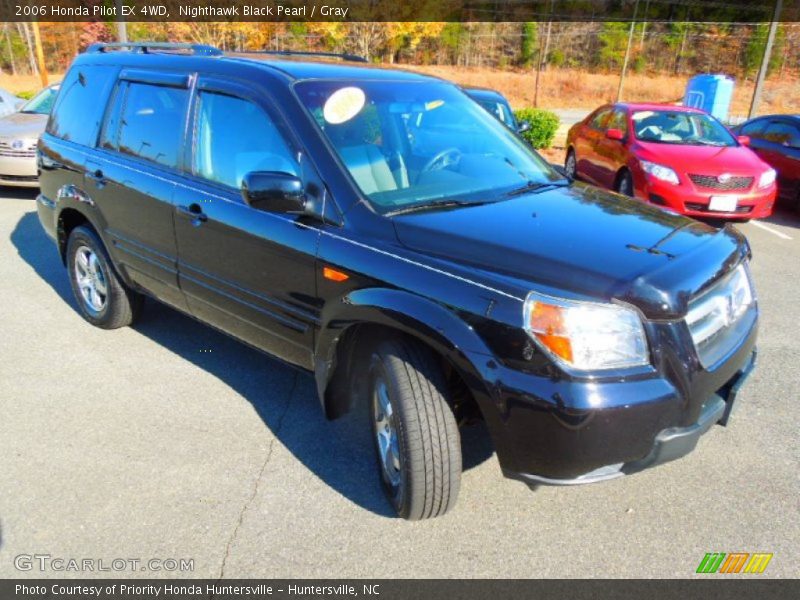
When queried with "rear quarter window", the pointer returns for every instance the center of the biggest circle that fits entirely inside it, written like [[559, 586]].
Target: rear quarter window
[[81, 103]]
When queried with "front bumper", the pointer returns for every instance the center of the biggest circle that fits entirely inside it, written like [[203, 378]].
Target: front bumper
[[556, 430], [670, 443], [687, 199], [18, 171]]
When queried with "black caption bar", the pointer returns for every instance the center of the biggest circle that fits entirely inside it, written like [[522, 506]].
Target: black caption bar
[[739, 11], [234, 589]]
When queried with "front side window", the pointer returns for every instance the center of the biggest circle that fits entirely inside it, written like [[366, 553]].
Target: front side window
[[150, 122], [235, 137], [410, 144], [680, 127]]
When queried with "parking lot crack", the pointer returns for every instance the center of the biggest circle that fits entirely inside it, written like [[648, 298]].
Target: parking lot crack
[[257, 481]]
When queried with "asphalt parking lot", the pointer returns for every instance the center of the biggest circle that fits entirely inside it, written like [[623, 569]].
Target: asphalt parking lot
[[169, 440]]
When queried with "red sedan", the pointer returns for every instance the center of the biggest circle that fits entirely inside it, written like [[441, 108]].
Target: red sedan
[[673, 156]]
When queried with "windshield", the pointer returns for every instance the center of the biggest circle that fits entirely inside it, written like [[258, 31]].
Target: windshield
[[499, 110], [678, 127], [41, 103], [410, 144]]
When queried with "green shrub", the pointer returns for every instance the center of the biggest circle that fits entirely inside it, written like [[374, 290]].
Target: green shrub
[[26, 95], [544, 125]]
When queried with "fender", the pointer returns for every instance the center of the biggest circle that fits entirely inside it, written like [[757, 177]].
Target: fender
[[428, 321]]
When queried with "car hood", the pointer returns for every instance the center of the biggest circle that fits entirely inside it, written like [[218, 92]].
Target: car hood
[[581, 242], [705, 160], [22, 125]]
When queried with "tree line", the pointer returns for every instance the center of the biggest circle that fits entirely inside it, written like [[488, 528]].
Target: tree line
[[659, 48]]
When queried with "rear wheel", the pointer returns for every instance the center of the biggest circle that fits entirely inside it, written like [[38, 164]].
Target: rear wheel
[[103, 299], [571, 164], [625, 183], [414, 430]]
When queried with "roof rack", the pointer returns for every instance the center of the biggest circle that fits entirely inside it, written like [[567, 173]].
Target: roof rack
[[150, 47], [347, 57]]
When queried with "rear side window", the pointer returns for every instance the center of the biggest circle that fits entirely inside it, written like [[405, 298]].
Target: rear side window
[[618, 120], [599, 120], [79, 107], [147, 121], [234, 137]]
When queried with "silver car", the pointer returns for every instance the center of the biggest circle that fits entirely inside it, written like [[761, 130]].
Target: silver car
[[19, 135]]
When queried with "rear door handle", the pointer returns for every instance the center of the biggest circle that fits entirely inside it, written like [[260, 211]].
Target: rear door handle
[[193, 211]]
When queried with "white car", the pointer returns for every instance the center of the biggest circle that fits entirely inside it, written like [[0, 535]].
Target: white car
[[19, 136]]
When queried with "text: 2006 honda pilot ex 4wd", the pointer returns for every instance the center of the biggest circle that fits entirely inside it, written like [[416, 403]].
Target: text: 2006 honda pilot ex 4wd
[[380, 229]]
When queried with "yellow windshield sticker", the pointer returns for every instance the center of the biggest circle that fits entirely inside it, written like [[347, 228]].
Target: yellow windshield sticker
[[434, 104], [343, 105]]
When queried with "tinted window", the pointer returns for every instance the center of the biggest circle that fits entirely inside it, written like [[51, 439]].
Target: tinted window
[[782, 133], [150, 124], [235, 137], [80, 104]]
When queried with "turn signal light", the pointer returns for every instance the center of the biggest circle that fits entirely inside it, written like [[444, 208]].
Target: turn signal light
[[334, 275]]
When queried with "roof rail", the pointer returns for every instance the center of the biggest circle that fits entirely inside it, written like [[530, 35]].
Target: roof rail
[[347, 57], [150, 47]]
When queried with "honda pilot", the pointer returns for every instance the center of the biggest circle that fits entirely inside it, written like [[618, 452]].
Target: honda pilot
[[381, 231]]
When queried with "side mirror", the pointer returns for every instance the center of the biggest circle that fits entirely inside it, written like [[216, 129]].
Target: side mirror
[[523, 126], [274, 191], [559, 169], [744, 140], [615, 134]]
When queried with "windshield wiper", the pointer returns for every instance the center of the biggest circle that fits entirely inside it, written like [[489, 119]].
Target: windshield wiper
[[433, 205], [538, 186]]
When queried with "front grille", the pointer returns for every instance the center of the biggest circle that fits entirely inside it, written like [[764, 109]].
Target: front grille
[[741, 210], [19, 178], [7, 149], [18, 153], [721, 317], [711, 182]]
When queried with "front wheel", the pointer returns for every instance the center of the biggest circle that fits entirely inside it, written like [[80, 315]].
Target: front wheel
[[571, 164], [415, 433]]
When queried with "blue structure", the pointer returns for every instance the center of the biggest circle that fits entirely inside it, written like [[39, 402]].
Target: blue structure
[[711, 93]]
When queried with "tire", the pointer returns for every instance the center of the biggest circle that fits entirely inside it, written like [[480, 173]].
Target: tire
[[103, 299], [625, 184], [416, 439], [571, 164]]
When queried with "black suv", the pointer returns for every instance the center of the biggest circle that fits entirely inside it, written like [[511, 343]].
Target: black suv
[[381, 230]]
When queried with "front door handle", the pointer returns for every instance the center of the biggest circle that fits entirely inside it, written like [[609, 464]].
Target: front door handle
[[193, 211], [98, 177]]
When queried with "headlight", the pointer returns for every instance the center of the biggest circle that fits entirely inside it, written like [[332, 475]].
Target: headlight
[[767, 178], [660, 172], [586, 335]]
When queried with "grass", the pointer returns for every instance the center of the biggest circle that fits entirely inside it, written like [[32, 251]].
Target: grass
[[571, 88]]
